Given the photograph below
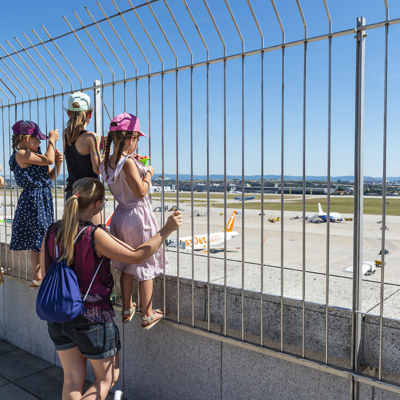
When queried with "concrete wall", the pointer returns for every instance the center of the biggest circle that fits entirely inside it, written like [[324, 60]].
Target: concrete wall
[[174, 361], [170, 363]]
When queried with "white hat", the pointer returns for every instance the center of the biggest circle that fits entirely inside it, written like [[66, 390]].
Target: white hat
[[80, 98]]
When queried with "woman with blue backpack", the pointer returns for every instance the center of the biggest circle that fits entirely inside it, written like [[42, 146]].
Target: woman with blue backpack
[[87, 249]]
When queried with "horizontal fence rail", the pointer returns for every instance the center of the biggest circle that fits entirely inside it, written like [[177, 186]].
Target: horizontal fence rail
[[226, 99]]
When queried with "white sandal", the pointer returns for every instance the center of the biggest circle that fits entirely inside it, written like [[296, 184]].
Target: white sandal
[[127, 315], [35, 284], [150, 321]]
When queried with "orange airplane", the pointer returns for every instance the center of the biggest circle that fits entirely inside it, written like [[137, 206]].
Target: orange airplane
[[200, 242]]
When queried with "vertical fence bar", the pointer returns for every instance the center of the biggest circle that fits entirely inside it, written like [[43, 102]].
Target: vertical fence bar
[[243, 182], [163, 180], [303, 333], [10, 176], [262, 171], [98, 109], [5, 186], [384, 161], [10, 147], [4, 167], [225, 188], [282, 264], [243, 189], [98, 129], [64, 163], [178, 288], [13, 191], [207, 162], [162, 143], [358, 204], [282, 168], [148, 88], [177, 155], [327, 261], [191, 184], [225, 206], [208, 197]]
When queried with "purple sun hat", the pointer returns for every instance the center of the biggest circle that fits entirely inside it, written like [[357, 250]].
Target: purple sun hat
[[25, 127]]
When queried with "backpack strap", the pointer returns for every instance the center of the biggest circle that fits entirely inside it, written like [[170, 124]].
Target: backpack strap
[[94, 276], [77, 236], [97, 270]]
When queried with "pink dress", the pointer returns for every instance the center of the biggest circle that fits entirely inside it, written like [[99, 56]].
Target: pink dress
[[133, 221]]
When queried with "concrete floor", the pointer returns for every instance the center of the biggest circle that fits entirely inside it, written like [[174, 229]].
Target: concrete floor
[[24, 376]]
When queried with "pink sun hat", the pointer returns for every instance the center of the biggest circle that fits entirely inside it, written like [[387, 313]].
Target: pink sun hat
[[126, 122], [25, 127]]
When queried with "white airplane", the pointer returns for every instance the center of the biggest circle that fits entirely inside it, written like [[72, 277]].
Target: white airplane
[[200, 242], [368, 268], [334, 216]]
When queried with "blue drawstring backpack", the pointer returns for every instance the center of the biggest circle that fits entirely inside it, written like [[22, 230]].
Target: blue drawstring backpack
[[59, 298]]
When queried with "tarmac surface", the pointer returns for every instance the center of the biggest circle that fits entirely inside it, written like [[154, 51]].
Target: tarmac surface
[[304, 259], [24, 376]]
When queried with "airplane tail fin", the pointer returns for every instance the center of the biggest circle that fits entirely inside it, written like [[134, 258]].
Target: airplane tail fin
[[320, 209], [108, 222], [229, 225]]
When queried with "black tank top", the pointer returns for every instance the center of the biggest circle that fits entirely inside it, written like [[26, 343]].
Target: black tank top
[[78, 165]]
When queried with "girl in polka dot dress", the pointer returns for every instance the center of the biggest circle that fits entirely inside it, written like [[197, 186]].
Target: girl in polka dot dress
[[31, 169]]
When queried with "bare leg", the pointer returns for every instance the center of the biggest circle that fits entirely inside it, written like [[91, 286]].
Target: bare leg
[[126, 281], [36, 273], [74, 367], [146, 300], [106, 372], [146, 297]]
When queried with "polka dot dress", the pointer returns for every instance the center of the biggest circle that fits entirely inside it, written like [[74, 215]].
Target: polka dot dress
[[34, 211]]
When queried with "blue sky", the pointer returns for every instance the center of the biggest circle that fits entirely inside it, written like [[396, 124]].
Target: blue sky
[[344, 14]]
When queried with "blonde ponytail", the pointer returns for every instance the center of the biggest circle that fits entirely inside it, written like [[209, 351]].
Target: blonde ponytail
[[86, 192], [76, 124]]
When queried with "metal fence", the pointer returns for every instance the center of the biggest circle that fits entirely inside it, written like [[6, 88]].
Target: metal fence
[[218, 102]]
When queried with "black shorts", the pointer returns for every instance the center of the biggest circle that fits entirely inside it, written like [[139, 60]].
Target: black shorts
[[94, 341]]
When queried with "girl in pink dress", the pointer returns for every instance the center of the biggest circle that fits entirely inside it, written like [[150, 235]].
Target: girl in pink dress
[[133, 221]]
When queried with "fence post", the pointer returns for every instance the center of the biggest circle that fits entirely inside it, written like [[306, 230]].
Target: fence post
[[98, 109], [358, 203]]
